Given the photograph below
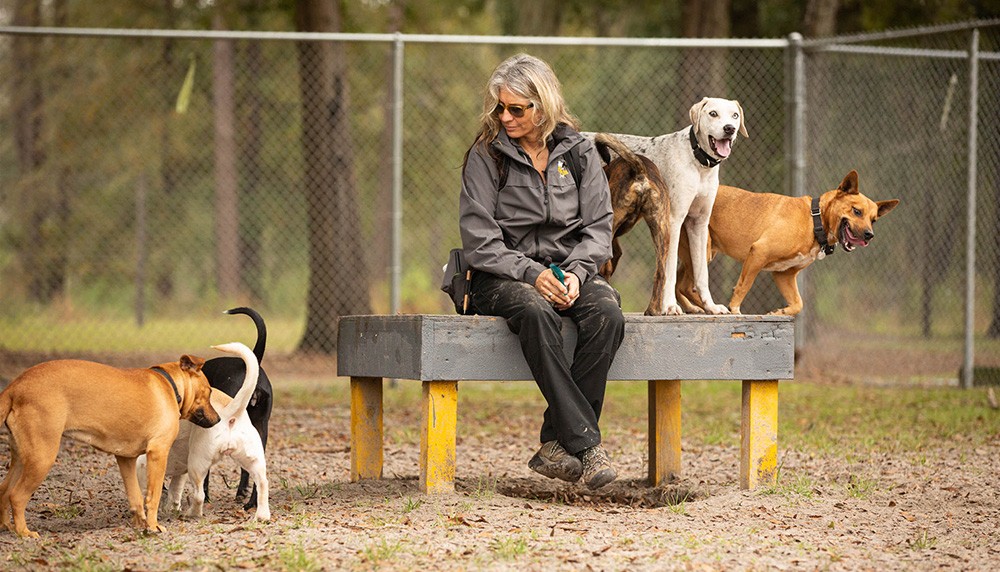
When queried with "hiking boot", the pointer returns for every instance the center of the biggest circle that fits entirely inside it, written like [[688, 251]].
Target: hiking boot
[[597, 469], [556, 463]]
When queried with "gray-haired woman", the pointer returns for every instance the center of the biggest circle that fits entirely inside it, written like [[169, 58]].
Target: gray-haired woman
[[536, 226]]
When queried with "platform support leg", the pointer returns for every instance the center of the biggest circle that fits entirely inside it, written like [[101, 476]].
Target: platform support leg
[[366, 428], [437, 439], [759, 434], [664, 431]]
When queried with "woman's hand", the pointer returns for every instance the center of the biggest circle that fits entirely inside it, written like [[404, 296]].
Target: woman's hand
[[560, 295]]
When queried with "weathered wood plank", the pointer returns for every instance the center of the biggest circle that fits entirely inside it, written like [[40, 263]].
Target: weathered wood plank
[[469, 348]]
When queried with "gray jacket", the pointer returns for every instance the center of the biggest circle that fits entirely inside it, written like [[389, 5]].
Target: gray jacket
[[512, 231]]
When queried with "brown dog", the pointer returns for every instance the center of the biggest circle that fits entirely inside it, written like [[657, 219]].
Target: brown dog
[[125, 412], [775, 233], [637, 191]]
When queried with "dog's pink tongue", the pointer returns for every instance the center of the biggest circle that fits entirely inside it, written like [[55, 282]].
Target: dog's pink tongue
[[855, 240], [723, 147]]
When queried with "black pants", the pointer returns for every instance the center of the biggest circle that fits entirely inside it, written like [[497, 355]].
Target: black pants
[[574, 393]]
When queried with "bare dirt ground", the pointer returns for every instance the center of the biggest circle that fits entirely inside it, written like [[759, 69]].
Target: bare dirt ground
[[889, 512]]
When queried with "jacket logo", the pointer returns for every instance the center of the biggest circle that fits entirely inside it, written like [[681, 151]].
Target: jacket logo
[[561, 167]]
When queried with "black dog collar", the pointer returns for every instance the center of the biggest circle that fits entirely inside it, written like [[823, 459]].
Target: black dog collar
[[818, 229], [699, 153], [164, 373]]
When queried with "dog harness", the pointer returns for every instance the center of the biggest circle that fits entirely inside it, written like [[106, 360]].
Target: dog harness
[[699, 153], [164, 373], [818, 229]]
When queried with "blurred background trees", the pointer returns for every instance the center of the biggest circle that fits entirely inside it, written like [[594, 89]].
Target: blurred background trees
[[46, 168]]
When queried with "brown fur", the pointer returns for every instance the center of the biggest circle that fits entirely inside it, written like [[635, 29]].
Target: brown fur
[[125, 412], [771, 232], [637, 191]]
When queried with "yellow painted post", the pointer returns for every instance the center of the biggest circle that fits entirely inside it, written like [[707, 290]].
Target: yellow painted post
[[759, 434], [366, 428], [664, 430], [437, 440]]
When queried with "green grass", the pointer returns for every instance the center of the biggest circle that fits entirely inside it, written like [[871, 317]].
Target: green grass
[[510, 547], [195, 333], [791, 485], [297, 558], [86, 561], [381, 551], [411, 504]]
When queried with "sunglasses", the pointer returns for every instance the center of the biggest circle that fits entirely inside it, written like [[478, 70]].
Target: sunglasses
[[515, 110]]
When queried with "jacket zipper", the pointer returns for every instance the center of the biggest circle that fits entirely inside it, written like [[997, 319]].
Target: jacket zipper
[[548, 209]]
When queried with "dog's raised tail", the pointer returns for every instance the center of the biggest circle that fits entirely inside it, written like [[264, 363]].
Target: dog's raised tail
[[242, 397], [259, 345], [606, 141]]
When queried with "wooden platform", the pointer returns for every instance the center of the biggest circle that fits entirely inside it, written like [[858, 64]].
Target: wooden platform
[[441, 350]]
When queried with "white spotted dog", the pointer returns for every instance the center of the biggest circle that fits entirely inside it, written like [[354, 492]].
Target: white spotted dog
[[688, 161]]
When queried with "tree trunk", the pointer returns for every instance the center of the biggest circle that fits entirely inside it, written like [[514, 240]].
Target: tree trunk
[[994, 329], [28, 104], [539, 17], [381, 242], [161, 263], [338, 278], [251, 103], [703, 70], [227, 258], [820, 18]]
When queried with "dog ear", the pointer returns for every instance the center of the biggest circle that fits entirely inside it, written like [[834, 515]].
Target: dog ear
[[695, 113], [885, 206], [850, 184], [191, 364], [743, 120]]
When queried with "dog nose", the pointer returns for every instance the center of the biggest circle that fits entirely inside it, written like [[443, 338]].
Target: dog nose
[[729, 130], [869, 235]]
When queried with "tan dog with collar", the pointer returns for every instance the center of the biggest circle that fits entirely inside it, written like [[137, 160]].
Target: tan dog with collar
[[778, 234], [125, 412]]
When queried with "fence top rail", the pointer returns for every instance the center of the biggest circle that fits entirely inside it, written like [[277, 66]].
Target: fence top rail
[[819, 43], [396, 37]]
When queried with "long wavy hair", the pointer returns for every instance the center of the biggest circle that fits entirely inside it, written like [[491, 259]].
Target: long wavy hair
[[531, 78]]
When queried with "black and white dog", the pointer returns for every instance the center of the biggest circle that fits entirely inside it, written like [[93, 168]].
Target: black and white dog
[[227, 374]]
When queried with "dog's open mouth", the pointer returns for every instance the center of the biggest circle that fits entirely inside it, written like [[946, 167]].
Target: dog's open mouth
[[721, 147], [847, 239]]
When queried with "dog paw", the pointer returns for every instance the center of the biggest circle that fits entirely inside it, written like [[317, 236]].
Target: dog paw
[[263, 515], [674, 310], [717, 309], [26, 533], [787, 311]]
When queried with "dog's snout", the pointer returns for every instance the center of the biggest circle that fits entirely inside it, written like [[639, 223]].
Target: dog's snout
[[729, 130], [869, 235], [205, 417]]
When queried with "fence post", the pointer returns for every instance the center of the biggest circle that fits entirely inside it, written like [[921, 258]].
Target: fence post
[[798, 159], [397, 174], [970, 239]]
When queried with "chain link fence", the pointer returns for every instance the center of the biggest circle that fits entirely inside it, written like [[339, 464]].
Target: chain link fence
[[150, 180]]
